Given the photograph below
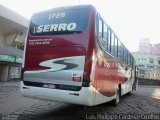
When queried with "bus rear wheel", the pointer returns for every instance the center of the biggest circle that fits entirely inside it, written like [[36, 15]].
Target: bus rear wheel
[[117, 99]]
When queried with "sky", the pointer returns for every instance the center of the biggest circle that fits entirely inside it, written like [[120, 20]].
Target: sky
[[131, 20]]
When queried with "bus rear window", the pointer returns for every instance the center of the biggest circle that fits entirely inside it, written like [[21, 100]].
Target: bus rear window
[[59, 22]]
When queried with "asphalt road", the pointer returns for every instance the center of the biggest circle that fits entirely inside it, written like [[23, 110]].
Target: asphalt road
[[141, 104]]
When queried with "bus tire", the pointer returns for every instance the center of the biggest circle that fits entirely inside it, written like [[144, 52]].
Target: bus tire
[[117, 99]]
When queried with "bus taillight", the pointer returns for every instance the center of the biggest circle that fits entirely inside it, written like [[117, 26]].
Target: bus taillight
[[86, 80]]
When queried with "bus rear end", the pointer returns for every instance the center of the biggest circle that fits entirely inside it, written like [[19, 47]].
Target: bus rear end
[[55, 55]]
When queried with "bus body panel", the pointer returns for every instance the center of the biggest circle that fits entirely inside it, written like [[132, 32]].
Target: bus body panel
[[56, 68], [108, 74], [83, 97], [86, 96]]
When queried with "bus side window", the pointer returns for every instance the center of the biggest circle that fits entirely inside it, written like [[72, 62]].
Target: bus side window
[[105, 37], [100, 28], [101, 33], [119, 49], [125, 56], [133, 61], [112, 44], [116, 46], [129, 59], [109, 39], [122, 53]]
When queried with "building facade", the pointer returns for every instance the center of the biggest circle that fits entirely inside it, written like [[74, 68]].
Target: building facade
[[12, 36], [148, 60], [156, 49], [145, 47], [148, 66]]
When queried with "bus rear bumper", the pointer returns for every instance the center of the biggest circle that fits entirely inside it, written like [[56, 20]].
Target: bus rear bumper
[[85, 96]]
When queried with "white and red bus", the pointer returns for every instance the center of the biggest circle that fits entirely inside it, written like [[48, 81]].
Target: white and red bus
[[73, 56]]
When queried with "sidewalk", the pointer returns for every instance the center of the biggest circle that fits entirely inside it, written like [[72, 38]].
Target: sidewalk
[[11, 83], [148, 82]]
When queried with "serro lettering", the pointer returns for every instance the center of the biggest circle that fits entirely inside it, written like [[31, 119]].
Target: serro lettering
[[56, 27]]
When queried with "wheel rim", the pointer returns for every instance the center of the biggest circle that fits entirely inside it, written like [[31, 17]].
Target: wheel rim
[[117, 97]]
